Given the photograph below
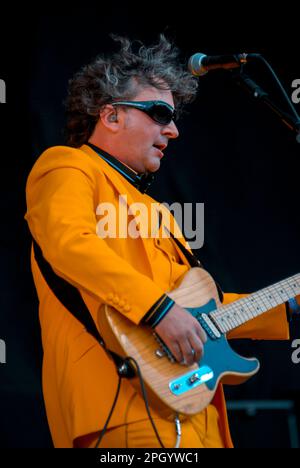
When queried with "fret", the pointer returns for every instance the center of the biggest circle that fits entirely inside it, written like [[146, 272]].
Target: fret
[[236, 319], [266, 304], [217, 316], [225, 326], [241, 310], [253, 305], [232, 315], [293, 286]]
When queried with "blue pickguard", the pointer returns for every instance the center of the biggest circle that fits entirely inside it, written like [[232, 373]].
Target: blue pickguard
[[218, 355]]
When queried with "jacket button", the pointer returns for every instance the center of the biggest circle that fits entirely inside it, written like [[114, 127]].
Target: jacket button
[[127, 308], [116, 300], [110, 296], [121, 303]]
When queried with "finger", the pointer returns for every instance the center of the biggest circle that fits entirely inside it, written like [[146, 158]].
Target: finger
[[187, 352], [198, 347], [201, 333], [176, 351]]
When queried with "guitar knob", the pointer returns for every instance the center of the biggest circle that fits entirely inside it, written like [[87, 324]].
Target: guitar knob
[[194, 378], [160, 353], [176, 386]]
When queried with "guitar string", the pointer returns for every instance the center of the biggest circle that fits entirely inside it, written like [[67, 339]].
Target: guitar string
[[236, 313], [262, 294]]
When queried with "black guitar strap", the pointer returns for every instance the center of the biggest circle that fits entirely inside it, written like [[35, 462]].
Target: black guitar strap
[[71, 299], [194, 262], [191, 258]]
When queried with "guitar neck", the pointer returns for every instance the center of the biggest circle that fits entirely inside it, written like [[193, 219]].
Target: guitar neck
[[233, 315]]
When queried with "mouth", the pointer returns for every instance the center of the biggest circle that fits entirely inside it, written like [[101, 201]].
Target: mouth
[[160, 148]]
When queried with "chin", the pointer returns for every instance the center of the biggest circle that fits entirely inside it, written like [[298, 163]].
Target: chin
[[153, 166]]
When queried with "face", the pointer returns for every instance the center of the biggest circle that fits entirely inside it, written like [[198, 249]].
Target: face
[[142, 141]]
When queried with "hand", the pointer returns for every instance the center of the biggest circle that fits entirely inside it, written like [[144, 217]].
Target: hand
[[182, 334]]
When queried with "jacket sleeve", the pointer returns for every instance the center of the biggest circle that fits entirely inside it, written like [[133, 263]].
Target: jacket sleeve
[[272, 325], [62, 219]]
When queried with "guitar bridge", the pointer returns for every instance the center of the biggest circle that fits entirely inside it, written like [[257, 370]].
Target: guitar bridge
[[163, 350]]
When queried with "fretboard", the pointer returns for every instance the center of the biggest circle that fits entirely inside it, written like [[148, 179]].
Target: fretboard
[[232, 315]]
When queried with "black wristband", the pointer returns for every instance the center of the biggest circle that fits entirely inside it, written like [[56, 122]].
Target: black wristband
[[158, 311]]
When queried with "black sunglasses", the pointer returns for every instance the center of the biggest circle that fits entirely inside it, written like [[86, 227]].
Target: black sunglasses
[[161, 112]]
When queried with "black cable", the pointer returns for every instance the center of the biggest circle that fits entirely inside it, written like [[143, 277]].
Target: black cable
[[266, 63], [110, 414], [146, 399], [144, 394]]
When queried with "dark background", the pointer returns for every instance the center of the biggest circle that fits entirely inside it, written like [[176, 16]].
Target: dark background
[[233, 155]]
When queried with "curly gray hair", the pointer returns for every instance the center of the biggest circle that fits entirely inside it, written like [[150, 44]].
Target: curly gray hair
[[120, 76]]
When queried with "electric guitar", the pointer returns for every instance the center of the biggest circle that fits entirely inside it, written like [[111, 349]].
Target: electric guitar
[[172, 387]]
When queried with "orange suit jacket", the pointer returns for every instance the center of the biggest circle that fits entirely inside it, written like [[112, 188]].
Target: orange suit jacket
[[63, 191]]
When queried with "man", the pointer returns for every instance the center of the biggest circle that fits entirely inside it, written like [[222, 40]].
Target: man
[[120, 120]]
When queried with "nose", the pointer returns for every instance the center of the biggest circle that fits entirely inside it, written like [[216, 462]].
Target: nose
[[170, 130]]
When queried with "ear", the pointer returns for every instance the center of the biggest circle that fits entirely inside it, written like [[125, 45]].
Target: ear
[[109, 118]]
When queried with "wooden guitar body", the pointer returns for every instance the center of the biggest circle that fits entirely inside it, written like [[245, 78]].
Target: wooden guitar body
[[172, 387]]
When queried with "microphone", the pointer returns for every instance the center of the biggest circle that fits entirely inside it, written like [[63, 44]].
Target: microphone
[[199, 64]]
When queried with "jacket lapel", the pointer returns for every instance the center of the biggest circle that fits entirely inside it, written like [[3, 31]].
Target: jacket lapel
[[116, 179]]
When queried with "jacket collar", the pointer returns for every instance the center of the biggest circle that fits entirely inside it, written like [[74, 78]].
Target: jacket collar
[[139, 181]]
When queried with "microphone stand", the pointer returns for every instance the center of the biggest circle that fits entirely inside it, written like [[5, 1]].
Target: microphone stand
[[257, 92]]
